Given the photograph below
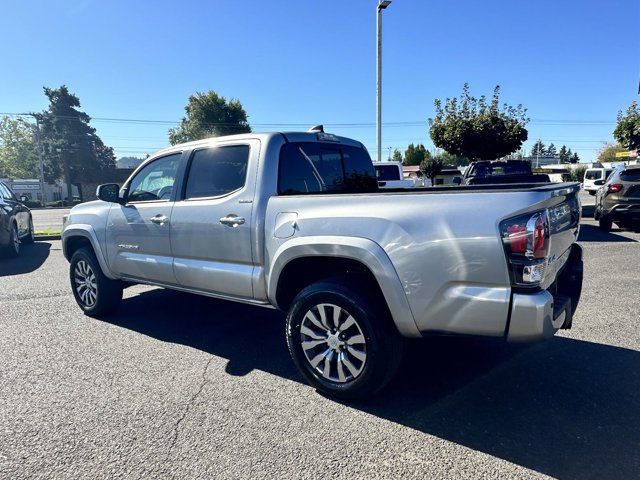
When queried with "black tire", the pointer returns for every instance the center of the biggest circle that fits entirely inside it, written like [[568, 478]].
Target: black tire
[[605, 223], [12, 249], [107, 293], [592, 193], [382, 344], [30, 237]]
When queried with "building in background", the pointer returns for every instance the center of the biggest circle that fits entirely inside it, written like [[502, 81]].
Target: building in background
[[30, 188]]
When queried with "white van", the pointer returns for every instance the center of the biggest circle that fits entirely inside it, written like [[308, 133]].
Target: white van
[[594, 178]]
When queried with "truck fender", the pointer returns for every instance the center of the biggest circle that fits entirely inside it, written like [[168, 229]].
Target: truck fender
[[86, 231], [363, 250]]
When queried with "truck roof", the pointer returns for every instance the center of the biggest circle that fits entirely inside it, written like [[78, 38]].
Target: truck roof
[[265, 136]]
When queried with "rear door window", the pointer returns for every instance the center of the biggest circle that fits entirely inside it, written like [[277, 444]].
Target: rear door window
[[593, 175], [217, 171]]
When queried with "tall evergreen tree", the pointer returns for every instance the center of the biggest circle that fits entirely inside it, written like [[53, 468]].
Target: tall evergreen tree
[[415, 154], [562, 154], [575, 158], [551, 150], [397, 156], [73, 147], [538, 149]]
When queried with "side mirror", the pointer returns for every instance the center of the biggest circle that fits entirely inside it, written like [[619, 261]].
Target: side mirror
[[108, 192], [599, 182]]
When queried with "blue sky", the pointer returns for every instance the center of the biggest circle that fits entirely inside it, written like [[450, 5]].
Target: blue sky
[[573, 64]]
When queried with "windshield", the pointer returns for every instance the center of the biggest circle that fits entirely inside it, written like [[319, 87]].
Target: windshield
[[387, 172]]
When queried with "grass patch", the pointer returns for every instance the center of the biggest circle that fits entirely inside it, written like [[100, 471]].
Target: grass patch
[[39, 233]]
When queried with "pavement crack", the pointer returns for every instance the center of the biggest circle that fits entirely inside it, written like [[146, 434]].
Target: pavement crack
[[190, 403]]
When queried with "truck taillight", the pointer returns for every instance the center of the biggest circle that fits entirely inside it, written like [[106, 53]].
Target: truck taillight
[[527, 235], [614, 188], [526, 242]]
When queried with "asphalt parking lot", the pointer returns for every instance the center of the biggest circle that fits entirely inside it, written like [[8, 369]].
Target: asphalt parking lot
[[180, 386]]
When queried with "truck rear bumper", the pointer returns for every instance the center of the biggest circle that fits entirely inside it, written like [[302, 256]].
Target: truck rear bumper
[[537, 316]]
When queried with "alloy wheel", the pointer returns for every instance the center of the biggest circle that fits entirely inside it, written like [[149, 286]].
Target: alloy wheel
[[85, 283], [333, 343]]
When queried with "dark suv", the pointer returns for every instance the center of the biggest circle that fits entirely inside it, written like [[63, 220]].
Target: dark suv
[[618, 200]]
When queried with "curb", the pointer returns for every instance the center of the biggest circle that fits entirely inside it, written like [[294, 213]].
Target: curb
[[40, 238]]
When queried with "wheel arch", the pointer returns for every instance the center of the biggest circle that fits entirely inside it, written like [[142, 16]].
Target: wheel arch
[[304, 260], [78, 236]]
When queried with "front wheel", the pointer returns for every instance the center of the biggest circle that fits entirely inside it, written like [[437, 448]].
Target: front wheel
[[342, 341], [95, 293], [30, 236], [12, 249]]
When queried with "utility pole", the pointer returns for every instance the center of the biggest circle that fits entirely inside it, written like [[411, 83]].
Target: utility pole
[[40, 158], [382, 4]]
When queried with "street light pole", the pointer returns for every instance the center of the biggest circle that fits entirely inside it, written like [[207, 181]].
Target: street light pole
[[382, 4]]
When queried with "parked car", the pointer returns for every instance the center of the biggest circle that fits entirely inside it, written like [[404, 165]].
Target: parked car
[[390, 175], [16, 223], [594, 178], [486, 172], [413, 173], [296, 221], [618, 200]]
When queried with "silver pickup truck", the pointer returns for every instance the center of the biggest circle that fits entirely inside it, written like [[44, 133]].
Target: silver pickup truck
[[295, 221]]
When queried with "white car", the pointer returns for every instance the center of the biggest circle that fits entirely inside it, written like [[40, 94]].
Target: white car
[[390, 175], [594, 178]]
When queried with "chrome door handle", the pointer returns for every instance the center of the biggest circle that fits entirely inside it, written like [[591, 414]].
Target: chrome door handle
[[159, 219], [232, 220]]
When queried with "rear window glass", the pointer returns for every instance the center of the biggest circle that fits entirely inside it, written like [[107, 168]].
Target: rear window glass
[[500, 168], [317, 167], [630, 175], [387, 172], [593, 175]]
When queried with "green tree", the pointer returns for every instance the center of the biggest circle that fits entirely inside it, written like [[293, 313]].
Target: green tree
[[210, 115], [562, 154], [551, 150], [577, 174], [538, 149], [73, 148], [415, 154], [477, 128], [608, 153], [627, 131], [575, 158], [431, 167], [18, 155], [451, 159], [397, 156]]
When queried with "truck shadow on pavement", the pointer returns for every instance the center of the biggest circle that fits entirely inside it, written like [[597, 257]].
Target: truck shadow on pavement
[[592, 233], [565, 408], [30, 259]]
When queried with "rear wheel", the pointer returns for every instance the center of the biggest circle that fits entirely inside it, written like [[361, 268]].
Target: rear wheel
[[342, 341], [605, 223], [95, 293]]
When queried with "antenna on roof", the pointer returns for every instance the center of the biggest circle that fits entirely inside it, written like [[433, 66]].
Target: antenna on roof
[[316, 128]]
